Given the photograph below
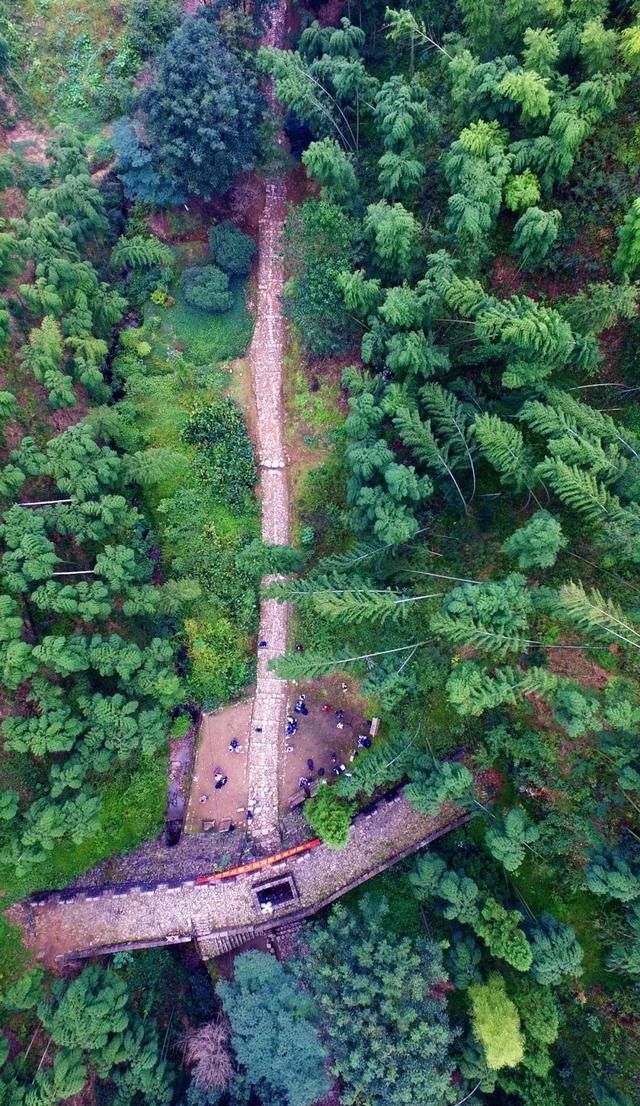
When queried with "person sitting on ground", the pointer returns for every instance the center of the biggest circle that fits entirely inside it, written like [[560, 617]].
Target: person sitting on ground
[[310, 764], [364, 742], [262, 645], [220, 780], [234, 746]]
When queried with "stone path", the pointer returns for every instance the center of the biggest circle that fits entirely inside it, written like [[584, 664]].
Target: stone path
[[266, 359], [71, 922]]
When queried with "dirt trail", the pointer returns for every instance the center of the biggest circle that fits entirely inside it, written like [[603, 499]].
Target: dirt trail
[[266, 359]]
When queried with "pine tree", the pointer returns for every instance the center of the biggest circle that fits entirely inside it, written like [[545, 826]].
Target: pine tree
[[627, 259], [332, 168], [395, 235], [503, 446], [534, 234], [508, 838], [608, 873], [537, 543], [556, 952]]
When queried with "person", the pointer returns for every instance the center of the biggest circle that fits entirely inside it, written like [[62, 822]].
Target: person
[[326, 708], [340, 725], [344, 687], [249, 817], [298, 648], [310, 764], [290, 719], [300, 707], [262, 645], [334, 758], [364, 742], [203, 798], [220, 780], [336, 770], [258, 729], [291, 728], [339, 716], [302, 782], [320, 773], [234, 747]]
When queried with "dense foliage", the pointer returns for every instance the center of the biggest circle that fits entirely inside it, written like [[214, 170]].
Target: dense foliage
[[466, 259]]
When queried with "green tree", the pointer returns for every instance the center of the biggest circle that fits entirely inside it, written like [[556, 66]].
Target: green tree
[[627, 259], [432, 785], [232, 250], [332, 168], [537, 543], [387, 1031], [395, 234], [88, 1014], [329, 817], [500, 930], [555, 950], [320, 243], [150, 23], [207, 288], [522, 191], [496, 1023], [508, 838], [534, 234], [202, 111], [608, 873], [274, 1030]]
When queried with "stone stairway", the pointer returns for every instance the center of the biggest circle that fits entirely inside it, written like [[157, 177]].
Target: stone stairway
[[219, 944]]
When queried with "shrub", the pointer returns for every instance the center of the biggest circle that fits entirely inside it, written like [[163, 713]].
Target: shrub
[[496, 1023], [232, 250], [329, 817], [206, 288], [226, 458]]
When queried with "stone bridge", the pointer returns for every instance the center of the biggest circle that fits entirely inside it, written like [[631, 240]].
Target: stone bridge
[[224, 915]]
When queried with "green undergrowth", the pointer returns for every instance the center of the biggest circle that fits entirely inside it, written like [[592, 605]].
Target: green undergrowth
[[203, 522], [133, 807]]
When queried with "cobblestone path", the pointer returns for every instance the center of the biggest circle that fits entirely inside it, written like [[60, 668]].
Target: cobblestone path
[[97, 918], [266, 358]]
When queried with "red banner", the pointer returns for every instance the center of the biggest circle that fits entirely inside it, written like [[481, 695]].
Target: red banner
[[256, 865]]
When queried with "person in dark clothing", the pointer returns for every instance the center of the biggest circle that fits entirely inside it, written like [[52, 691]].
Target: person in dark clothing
[[310, 765]]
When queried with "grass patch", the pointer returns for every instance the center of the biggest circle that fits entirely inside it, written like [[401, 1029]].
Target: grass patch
[[207, 339], [201, 526]]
